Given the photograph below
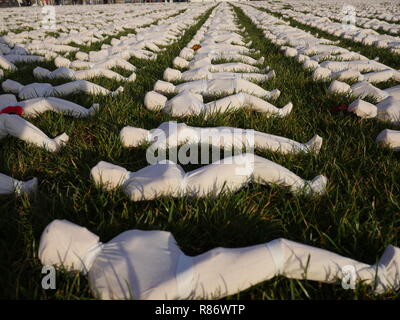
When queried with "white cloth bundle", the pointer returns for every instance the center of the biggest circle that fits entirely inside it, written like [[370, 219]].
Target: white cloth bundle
[[36, 106], [227, 86], [18, 127], [230, 174], [172, 134], [187, 103], [150, 265], [36, 90]]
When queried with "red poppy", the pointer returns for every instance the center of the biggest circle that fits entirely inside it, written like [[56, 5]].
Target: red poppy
[[13, 110], [196, 47]]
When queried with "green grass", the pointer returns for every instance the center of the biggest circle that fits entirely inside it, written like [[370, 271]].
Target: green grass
[[358, 217]]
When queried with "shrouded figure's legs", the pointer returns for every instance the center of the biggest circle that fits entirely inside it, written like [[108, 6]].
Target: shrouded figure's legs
[[242, 100], [221, 272], [268, 172], [261, 105], [116, 62], [254, 89], [24, 130], [34, 107], [97, 72], [233, 67], [285, 145], [9, 185], [82, 86]]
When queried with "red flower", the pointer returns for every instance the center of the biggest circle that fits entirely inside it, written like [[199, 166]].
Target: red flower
[[196, 47], [13, 110]]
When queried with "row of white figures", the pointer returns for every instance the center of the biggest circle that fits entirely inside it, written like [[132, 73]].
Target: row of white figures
[[337, 63], [163, 33], [308, 49], [203, 78], [358, 17], [121, 50], [115, 55], [338, 29], [150, 265], [21, 45], [16, 126], [94, 24]]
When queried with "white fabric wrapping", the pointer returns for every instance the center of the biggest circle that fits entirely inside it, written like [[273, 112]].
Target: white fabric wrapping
[[36, 106], [187, 103], [35, 90], [172, 134], [149, 264], [230, 174]]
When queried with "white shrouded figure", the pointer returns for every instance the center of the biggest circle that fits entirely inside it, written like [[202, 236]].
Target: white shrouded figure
[[180, 62], [167, 178], [147, 265], [203, 73], [15, 126], [188, 53], [66, 73], [36, 106], [10, 185], [36, 90], [216, 87], [187, 103], [171, 134], [109, 63]]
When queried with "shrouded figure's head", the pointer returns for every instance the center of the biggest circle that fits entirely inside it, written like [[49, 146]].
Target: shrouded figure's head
[[172, 75], [164, 87], [154, 100], [109, 176], [133, 137], [66, 244]]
